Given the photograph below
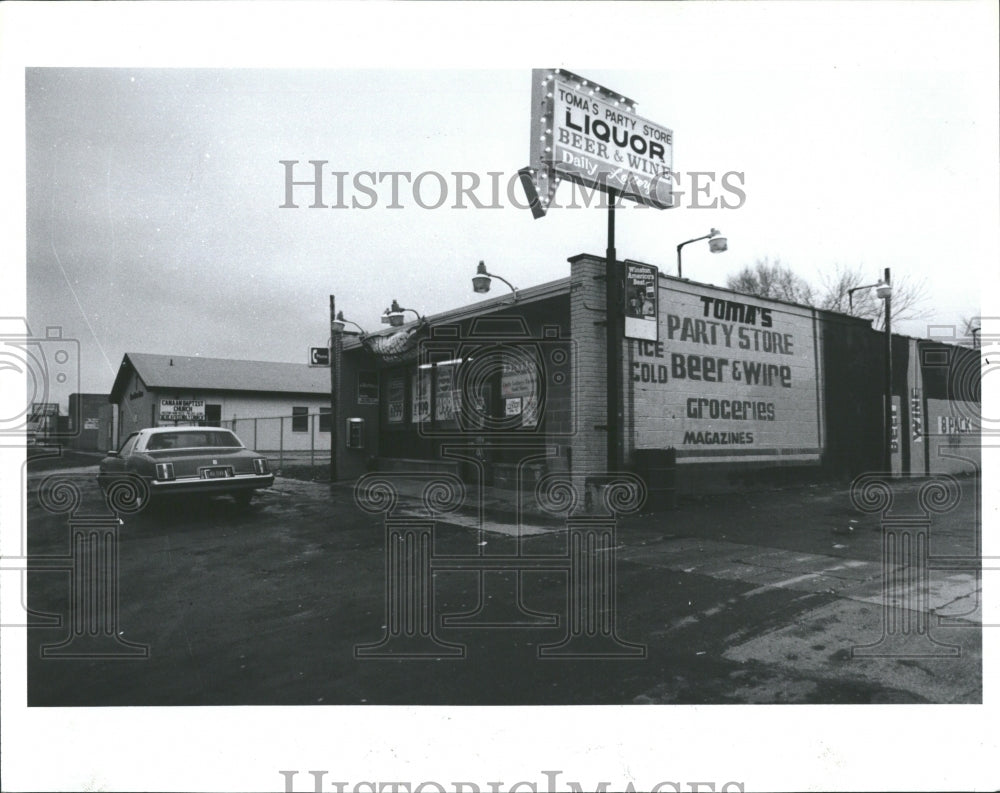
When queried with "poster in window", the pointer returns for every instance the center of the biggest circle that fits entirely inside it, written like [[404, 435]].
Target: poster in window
[[529, 412], [421, 397], [446, 403], [519, 385], [367, 388], [395, 401]]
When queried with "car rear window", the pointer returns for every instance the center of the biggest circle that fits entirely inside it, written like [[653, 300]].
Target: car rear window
[[192, 440]]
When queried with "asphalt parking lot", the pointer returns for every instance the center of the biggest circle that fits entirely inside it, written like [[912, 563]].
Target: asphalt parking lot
[[756, 598]]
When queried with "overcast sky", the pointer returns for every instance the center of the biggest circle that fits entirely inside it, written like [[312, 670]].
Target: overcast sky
[[155, 225]]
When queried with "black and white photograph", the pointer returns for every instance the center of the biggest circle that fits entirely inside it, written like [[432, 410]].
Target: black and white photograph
[[499, 396]]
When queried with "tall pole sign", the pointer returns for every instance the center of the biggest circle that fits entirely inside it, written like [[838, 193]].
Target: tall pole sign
[[590, 135]]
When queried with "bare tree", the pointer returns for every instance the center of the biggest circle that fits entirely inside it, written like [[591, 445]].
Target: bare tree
[[908, 296], [775, 280], [968, 326]]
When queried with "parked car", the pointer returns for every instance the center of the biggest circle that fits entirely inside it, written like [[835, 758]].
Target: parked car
[[175, 460]]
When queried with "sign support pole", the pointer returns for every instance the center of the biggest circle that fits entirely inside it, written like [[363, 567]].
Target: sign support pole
[[614, 336], [887, 453], [334, 372]]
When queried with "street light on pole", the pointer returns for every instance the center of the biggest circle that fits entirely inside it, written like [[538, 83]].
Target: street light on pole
[[336, 328], [716, 244], [337, 323], [884, 290]]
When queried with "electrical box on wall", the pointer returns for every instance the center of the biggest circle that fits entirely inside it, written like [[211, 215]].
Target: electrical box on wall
[[355, 433]]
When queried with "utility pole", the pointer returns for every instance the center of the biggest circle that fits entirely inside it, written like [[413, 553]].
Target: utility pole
[[614, 320], [335, 347], [887, 456]]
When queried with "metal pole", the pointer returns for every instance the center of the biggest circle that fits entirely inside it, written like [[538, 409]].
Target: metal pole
[[613, 335], [679, 260], [334, 371], [887, 459]]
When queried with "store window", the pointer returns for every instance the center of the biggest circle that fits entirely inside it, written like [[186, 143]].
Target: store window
[[324, 419], [300, 419], [494, 388]]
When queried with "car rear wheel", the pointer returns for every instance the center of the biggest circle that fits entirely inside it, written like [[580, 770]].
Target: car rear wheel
[[243, 498]]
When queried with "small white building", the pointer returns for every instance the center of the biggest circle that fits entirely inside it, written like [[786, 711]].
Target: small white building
[[271, 406]]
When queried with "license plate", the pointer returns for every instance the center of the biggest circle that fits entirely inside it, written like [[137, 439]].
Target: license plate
[[215, 473]]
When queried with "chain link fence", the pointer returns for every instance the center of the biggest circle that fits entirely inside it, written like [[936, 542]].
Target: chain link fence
[[302, 439]]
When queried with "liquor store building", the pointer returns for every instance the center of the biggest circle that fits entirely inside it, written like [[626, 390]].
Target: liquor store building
[[742, 390]]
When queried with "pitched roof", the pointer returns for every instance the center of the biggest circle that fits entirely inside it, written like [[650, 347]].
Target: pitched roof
[[195, 373]]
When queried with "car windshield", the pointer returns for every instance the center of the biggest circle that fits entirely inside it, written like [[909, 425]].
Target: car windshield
[[191, 440]]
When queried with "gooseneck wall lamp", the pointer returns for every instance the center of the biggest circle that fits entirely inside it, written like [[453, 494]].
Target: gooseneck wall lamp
[[482, 279], [337, 324], [716, 244], [394, 315]]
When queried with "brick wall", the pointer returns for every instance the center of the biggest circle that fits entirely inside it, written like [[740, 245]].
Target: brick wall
[[587, 307]]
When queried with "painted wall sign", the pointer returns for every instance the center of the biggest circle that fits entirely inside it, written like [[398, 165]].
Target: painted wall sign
[[589, 134], [955, 425], [731, 378], [641, 292], [894, 430], [182, 410], [916, 415]]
